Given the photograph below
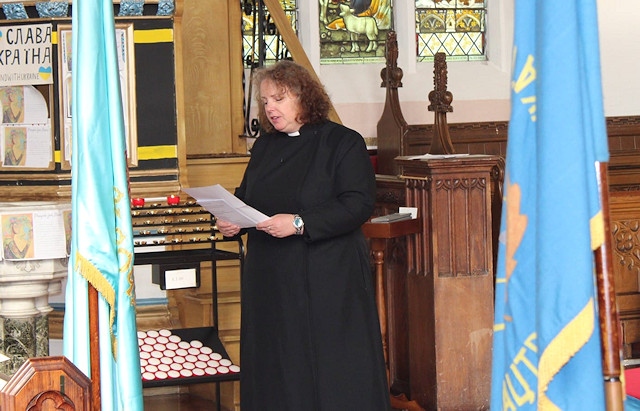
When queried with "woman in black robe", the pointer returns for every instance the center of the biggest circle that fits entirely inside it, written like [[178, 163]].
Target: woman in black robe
[[310, 334]]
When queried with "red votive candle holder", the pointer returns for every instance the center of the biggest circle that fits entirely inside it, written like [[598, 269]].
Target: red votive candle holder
[[173, 199]]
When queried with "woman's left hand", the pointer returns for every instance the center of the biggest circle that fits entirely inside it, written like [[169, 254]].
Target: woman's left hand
[[226, 228], [279, 226]]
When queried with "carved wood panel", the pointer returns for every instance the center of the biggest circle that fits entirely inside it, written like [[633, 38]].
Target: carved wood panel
[[625, 231], [450, 280]]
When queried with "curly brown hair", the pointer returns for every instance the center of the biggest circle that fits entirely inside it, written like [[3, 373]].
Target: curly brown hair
[[292, 77]]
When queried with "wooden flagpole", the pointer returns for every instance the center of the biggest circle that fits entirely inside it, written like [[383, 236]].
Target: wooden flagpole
[[607, 308], [94, 347]]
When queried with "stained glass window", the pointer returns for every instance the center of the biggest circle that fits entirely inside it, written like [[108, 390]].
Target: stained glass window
[[261, 43], [455, 27], [353, 31]]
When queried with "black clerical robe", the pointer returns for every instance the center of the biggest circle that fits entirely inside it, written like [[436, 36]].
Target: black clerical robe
[[310, 336]]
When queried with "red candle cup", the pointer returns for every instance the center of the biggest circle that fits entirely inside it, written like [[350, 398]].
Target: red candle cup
[[173, 200], [138, 202]]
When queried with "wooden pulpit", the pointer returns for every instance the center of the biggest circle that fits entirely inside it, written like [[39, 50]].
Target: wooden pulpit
[[46, 383], [451, 277]]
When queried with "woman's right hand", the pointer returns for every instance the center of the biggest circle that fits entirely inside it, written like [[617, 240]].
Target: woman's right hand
[[226, 228]]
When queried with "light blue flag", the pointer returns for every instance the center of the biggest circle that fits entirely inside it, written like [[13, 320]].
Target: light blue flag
[[102, 239], [546, 352]]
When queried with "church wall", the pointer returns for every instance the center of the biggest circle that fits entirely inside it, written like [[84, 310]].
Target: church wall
[[480, 89]]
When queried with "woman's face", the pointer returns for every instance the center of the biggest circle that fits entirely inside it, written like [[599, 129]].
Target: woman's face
[[281, 107]]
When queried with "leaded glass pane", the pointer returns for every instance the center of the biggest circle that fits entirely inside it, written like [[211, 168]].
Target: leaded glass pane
[[353, 31], [261, 43], [455, 27]]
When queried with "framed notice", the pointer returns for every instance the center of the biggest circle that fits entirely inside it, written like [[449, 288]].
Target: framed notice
[[126, 70]]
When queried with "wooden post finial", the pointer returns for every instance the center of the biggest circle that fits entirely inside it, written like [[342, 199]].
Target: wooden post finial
[[440, 100], [391, 74]]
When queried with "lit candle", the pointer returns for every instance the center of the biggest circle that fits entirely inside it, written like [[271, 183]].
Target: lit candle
[[173, 199]]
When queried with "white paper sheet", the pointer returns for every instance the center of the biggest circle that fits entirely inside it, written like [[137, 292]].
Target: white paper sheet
[[225, 206]]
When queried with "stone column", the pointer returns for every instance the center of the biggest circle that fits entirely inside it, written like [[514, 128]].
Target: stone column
[[25, 287], [34, 262]]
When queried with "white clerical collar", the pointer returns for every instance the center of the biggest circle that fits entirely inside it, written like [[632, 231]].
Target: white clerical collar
[[294, 134]]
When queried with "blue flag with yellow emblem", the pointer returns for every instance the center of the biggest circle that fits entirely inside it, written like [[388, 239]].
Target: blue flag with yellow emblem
[[102, 238], [546, 346]]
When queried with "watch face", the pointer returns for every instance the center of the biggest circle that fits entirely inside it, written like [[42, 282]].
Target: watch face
[[297, 222]]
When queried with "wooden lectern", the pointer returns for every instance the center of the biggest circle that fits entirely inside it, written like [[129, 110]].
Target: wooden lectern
[[451, 277]]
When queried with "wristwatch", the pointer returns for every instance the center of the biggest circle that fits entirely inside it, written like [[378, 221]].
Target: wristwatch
[[298, 224]]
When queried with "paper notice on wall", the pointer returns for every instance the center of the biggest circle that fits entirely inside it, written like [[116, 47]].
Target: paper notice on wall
[[26, 54], [28, 146], [33, 235]]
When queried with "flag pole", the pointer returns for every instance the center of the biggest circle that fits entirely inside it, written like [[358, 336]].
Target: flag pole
[[608, 312], [102, 251], [94, 347]]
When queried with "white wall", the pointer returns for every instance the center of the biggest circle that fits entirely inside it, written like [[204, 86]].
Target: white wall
[[480, 89], [619, 48]]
